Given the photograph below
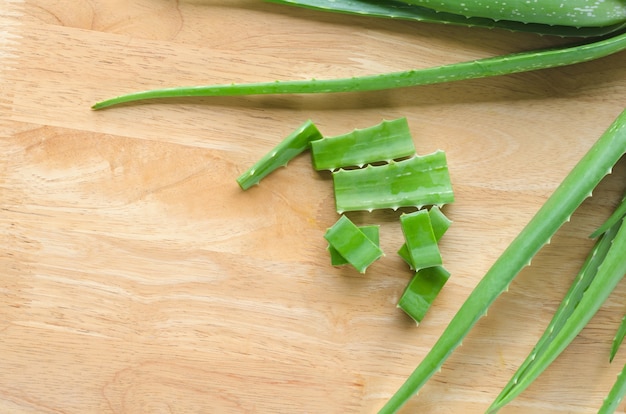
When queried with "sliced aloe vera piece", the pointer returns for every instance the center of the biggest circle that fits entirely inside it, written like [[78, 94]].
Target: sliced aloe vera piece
[[439, 223], [351, 243], [422, 291], [386, 141], [421, 243], [371, 232], [296, 143], [416, 182]]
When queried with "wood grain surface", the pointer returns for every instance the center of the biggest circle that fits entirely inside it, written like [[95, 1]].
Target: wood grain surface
[[136, 277]]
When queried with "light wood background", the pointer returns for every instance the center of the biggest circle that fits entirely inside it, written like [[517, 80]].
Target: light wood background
[[136, 277]]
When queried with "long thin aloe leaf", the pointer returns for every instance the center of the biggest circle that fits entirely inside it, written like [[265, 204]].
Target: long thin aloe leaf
[[386, 141], [353, 244], [619, 337], [416, 182], [422, 290], [618, 390], [481, 68], [576, 186], [563, 315], [404, 11], [294, 144]]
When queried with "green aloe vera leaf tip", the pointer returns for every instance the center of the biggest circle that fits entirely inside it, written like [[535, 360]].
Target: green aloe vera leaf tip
[[351, 243], [296, 143], [386, 141], [415, 182]]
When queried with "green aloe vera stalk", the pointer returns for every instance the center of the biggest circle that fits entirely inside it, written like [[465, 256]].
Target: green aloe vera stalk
[[422, 291], [420, 240], [351, 243], [386, 141], [296, 143], [416, 182], [371, 232], [574, 189]]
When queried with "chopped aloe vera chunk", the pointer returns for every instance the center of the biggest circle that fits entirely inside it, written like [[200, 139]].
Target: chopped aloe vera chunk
[[422, 291], [421, 244], [440, 224], [386, 141], [371, 232], [439, 221], [351, 243], [416, 182], [296, 143]]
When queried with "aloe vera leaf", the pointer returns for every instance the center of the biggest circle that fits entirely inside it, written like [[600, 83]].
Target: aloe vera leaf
[[371, 232], [294, 144], [616, 394], [617, 340], [610, 272], [404, 11], [353, 244], [415, 182], [386, 141], [420, 240], [617, 215], [571, 299], [579, 13], [481, 68], [572, 191], [422, 291]]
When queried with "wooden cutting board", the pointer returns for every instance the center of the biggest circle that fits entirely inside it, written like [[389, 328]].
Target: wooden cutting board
[[136, 277]]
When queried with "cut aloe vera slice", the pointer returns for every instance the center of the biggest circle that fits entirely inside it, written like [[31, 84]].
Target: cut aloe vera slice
[[440, 224], [352, 244], [371, 232], [421, 243], [422, 291], [439, 221], [296, 143], [416, 182], [386, 141]]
